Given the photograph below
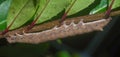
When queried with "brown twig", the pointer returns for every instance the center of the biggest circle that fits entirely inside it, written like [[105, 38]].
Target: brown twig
[[45, 26]]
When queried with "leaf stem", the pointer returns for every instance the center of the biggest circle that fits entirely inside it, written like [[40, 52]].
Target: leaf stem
[[65, 14], [33, 23], [107, 14]]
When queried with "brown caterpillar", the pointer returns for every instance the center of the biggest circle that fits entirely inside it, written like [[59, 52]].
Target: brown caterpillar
[[59, 32]]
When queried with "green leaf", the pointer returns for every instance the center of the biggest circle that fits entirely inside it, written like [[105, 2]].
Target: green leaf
[[102, 6], [21, 11], [116, 4], [53, 8], [79, 5], [4, 7]]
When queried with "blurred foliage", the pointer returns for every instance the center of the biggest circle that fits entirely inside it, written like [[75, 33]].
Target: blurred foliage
[[63, 53]]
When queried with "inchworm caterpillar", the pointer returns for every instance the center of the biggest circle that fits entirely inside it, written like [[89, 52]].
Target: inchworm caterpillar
[[59, 32]]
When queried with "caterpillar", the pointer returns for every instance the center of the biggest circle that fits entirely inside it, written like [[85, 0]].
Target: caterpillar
[[59, 32]]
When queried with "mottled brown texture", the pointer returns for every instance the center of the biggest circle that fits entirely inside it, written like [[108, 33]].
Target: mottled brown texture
[[59, 32], [49, 25]]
